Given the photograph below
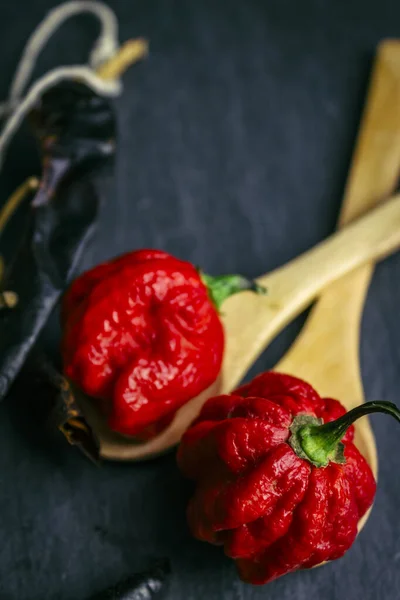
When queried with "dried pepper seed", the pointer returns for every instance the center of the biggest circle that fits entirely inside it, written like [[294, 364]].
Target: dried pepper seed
[[8, 299]]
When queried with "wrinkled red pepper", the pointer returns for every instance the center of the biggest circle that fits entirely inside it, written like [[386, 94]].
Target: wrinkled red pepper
[[142, 334], [277, 488]]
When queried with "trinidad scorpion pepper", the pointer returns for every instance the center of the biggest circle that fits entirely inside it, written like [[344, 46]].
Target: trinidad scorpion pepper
[[142, 334], [280, 483]]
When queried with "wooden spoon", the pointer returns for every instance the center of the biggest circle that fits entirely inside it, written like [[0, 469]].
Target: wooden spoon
[[326, 351], [251, 322]]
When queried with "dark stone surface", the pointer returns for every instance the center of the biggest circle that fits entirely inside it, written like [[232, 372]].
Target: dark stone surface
[[235, 139]]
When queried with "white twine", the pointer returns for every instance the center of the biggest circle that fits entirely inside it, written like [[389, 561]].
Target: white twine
[[103, 49]]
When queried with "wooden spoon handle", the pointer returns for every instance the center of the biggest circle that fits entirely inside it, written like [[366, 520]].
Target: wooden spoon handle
[[251, 321], [334, 321], [375, 168], [370, 238]]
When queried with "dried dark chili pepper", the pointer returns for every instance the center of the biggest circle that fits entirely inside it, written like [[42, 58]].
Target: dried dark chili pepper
[[63, 407], [51, 404], [141, 586], [76, 131]]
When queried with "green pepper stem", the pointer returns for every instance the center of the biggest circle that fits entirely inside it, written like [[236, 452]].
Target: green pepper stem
[[220, 287], [320, 443]]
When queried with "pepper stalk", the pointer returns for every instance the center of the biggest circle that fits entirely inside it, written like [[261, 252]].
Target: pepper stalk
[[221, 287], [320, 443]]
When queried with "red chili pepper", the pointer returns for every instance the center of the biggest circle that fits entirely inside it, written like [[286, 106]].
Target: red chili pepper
[[276, 487], [142, 334]]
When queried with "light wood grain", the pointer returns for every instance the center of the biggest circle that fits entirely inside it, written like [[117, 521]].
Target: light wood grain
[[326, 353]]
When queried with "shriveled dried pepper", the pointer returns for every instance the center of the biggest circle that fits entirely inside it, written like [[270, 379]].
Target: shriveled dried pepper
[[76, 130], [142, 334], [280, 483]]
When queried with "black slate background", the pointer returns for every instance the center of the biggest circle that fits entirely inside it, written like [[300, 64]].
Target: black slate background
[[235, 139]]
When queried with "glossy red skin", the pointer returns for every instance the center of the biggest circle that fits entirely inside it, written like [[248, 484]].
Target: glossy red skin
[[272, 511], [141, 335]]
